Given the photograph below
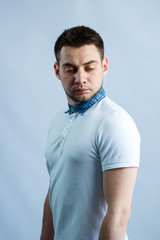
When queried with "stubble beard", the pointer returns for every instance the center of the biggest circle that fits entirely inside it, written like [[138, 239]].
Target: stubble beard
[[78, 100]]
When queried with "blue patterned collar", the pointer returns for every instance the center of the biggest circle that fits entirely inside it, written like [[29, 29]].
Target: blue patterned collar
[[84, 106]]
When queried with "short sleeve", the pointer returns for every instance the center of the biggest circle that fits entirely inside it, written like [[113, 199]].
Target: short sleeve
[[118, 142]]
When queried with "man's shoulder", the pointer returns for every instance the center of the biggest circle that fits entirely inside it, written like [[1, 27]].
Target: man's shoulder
[[109, 108], [116, 119]]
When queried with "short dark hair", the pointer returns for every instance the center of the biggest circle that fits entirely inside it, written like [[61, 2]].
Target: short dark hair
[[77, 37]]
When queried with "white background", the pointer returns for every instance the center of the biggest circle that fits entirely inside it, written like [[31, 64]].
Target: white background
[[30, 95]]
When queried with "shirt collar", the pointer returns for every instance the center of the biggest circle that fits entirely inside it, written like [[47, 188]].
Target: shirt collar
[[84, 106]]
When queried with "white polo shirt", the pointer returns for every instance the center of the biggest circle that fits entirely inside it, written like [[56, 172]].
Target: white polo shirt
[[79, 148]]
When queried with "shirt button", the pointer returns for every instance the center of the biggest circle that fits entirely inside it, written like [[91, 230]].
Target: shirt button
[[70, 120]]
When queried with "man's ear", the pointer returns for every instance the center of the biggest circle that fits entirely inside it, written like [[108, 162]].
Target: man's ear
[[56, 69], [105, 65]]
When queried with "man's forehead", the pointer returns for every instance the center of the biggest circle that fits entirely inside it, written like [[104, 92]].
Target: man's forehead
[[86, 53]]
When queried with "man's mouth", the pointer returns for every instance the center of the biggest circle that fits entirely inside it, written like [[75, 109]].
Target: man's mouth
[[81, 90]]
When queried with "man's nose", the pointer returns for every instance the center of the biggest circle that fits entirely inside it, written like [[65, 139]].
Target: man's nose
[[80, 77]]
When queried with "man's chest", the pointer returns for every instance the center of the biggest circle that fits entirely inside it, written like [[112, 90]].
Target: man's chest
[[72, 141]]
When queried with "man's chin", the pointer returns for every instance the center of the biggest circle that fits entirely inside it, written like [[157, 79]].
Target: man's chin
[[78, 98], [83, 98]]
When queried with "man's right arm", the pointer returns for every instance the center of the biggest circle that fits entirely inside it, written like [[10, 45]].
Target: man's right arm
[[47, 225]]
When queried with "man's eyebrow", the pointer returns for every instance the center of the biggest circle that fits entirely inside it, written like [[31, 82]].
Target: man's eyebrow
[[67, 64], [92, 61]]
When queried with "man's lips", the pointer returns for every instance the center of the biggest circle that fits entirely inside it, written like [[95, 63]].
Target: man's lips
[[81, 90]]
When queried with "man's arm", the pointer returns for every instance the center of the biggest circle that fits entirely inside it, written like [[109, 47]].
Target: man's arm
[[118, 186], [47, 226]]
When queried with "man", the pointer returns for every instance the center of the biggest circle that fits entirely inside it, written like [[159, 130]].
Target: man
[[92, 149]]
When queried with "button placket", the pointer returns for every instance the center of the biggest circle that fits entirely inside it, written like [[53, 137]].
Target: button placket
[[65, 132]]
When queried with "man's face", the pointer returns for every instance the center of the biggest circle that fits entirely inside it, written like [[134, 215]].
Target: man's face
[[81, 72]]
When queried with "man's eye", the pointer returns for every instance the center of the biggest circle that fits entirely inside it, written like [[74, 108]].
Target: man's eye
[[90, 69], [69, 70]]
